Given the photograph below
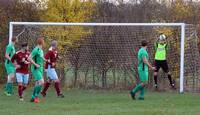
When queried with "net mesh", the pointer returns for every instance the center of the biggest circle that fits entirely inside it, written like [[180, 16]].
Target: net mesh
[[106, 56]]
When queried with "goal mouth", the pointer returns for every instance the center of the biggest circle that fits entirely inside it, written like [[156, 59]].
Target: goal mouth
[[105, 54]]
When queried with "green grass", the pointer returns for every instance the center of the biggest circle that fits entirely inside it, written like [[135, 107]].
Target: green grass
[[102, 103]]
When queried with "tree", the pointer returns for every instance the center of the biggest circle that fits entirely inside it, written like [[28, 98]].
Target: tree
[[67, 37]]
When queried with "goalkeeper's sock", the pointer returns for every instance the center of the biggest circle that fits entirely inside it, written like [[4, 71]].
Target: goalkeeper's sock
[[136, 89], [170, 80], [156, 81]]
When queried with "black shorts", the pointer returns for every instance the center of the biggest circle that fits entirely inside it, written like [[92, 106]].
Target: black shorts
[[161, 64]]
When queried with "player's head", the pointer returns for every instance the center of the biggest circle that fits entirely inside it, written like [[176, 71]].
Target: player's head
[[14, 40], [54, 43], [24, 46], [144, 43], [162, 38], [40, 41]]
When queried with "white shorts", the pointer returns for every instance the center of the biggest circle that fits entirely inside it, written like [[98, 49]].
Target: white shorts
[[22, 78], [51, 73]]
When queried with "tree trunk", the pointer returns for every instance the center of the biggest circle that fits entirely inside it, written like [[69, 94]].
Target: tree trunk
[[86, 73], [62, 76], [125, 78], [114, 77], [93, 76], [75, 76], [104, 80]]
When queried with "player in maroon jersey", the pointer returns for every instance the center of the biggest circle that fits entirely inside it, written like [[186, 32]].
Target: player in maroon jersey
[[21, 64], [51, 57]]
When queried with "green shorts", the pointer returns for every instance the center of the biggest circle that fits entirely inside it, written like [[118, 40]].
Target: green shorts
[[37, 74], [9, 69], [143, 75]]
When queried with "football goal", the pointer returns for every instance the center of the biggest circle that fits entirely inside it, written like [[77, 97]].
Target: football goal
[[105, 54]]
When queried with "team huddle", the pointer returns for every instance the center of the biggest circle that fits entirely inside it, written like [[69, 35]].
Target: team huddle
[[160, 59], [17, 64]]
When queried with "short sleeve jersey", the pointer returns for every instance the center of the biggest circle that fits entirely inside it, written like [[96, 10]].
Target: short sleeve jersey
[[20, 57], [38, 57], [52, 56], [141, 65], [10, 50]]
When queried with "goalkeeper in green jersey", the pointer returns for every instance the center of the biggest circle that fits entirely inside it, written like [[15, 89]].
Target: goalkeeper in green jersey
[[161, 47], [143, 65]]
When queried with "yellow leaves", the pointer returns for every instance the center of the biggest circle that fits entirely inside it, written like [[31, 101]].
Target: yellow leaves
[[67, 11], [167, 31], [180, 10]]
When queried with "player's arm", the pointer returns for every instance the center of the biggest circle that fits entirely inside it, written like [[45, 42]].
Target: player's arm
[[47, 57], [147, 62], [156, 45], [30, 58], [26, 61], [8, 51], [13, 60]]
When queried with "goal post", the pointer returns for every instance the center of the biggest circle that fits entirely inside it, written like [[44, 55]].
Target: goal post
[[180, 25]]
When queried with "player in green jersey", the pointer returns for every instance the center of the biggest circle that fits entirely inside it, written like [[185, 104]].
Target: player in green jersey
[[143, 65], [37, 59], [161, 47], [10, 68]]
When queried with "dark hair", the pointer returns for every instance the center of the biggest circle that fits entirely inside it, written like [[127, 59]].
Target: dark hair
[[14, 39], [25, 44], [144, 43]]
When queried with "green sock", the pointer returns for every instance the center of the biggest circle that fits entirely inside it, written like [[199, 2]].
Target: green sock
[[142, 91], [137, 88], [9, 88], [39, 87], [34, 92], [6, 87]]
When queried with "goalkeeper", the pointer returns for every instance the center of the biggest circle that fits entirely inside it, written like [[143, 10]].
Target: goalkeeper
[[161, 47]]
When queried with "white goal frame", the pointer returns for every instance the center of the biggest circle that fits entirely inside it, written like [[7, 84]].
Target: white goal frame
[[181, 25]]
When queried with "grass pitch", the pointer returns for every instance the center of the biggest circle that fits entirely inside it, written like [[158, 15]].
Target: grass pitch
[[90, 102]]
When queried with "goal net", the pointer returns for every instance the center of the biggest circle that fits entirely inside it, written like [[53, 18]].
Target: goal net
[[104, 55]]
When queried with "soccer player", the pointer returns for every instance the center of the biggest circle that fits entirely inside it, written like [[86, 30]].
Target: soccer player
[[20, 60], [51, 57], [37, 59], [161, 47], [10, 69], [143, 65]]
